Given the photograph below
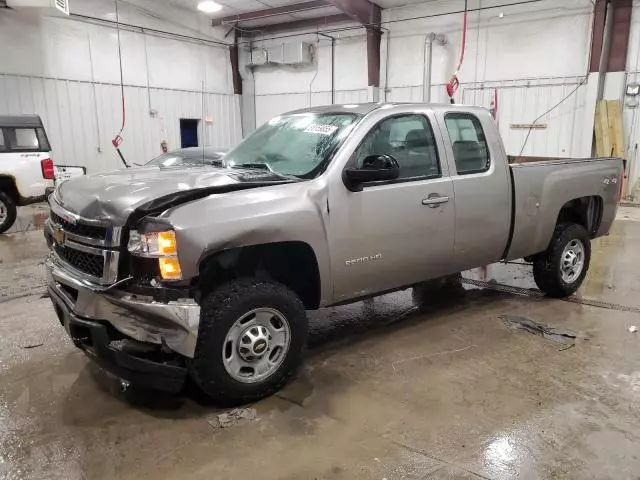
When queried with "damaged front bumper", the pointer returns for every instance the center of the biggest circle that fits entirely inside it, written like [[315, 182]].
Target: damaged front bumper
[[172, 324]]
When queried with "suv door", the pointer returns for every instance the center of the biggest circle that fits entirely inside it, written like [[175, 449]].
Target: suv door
[[398, 232]]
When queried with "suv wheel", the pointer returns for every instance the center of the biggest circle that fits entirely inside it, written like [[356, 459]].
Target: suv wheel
[[8, 212], [251, 338], [560, 270]]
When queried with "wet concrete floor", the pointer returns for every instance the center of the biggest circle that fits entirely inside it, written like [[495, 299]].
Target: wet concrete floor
[[386, 392]]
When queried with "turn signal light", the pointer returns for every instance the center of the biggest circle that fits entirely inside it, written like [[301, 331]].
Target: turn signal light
[[170, 268], [167, 243]]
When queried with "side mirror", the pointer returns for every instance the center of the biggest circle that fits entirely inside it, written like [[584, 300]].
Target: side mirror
[[375, 168]]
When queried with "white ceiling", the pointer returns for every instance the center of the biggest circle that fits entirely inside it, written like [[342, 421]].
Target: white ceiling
[[234, 7]]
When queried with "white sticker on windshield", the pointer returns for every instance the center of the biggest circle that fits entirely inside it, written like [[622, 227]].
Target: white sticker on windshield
[[322, 129]]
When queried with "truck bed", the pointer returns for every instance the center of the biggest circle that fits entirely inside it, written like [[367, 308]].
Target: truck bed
[[541, 188]]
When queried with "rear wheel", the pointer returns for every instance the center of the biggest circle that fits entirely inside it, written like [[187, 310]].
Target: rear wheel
[[8, 212], [251, 338], [560, 270]]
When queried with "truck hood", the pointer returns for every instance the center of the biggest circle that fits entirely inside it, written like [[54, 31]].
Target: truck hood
[[112, 197]]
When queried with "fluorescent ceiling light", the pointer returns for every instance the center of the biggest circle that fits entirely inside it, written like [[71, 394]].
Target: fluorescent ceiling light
[[209, 6]]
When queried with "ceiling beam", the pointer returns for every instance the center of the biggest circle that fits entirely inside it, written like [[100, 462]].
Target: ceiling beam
[[361, 11], [271, 12], [297, 24], [597, 34], [235, 65], [610, 35], [369, 15], [621, 26]]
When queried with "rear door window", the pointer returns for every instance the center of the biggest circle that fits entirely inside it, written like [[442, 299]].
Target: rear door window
[[3, 145], [470, 149]]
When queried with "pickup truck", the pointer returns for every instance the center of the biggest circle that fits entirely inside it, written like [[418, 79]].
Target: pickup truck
[[207, 272], [26, 168]]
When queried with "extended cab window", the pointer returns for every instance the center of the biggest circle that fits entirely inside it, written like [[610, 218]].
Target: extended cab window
[[470, 149], [407, 138]]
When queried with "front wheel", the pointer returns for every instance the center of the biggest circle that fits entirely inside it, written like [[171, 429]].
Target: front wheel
[[8, 212], [560, 270], [251, 338]]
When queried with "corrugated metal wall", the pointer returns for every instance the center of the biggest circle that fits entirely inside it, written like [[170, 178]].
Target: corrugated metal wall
[[631, 125], [270, 105], [520, 102], [81, 118]]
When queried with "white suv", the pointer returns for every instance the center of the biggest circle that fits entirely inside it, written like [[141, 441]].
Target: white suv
[[26, 168]]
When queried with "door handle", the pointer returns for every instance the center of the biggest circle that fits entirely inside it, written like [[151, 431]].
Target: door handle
[[434, 200]]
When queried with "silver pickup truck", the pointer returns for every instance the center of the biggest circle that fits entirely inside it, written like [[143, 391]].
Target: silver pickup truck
[[160, 274]]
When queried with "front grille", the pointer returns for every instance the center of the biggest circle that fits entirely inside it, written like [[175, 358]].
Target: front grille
[[79, 228], [85, 262]]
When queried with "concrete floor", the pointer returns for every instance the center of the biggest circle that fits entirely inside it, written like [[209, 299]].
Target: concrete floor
[[385, 393]]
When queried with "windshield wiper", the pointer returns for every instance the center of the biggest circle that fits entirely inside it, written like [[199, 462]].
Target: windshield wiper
[[257, 165], [264, 166]]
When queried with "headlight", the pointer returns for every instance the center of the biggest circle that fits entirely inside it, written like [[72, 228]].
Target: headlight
[[157, 244], [154, 244]]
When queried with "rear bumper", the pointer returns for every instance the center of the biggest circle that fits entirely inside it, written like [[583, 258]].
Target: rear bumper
[[132, 361], [24, 201]]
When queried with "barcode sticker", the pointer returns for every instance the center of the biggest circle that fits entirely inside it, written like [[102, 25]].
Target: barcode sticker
[[322, 129]]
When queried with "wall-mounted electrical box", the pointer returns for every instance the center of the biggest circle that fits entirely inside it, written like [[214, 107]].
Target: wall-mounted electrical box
[[58, 5], [292, 54]]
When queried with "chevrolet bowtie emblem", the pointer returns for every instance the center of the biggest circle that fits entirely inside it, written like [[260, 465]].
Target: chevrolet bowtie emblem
[[58, 235]]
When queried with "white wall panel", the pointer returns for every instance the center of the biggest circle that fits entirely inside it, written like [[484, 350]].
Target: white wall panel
[[535, 54], [522, 101], [269, 106], [415, 93], [280, 89], [67, 71], [81, 118]]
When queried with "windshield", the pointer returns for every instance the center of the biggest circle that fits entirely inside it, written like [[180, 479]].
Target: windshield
[[294, 145], [186, 158]]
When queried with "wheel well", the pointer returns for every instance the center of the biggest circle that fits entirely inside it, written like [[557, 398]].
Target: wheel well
[[293, 264], [585, 211], [8, 186]]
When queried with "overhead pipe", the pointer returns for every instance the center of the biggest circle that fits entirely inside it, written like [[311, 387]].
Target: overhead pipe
[[333, 66], [440, 39]]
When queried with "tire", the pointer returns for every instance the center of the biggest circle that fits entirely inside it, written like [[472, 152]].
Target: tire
[[8, 212], [433, 292], [216, 353], [548, 265]]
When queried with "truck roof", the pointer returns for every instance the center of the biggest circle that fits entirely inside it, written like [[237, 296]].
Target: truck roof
[[20, 121], [365, 108]]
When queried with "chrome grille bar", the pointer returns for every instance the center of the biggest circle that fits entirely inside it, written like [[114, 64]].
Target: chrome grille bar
[[73, 233]]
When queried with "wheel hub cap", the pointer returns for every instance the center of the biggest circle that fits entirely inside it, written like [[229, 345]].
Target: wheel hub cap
[[254, 342], [3, 212], [572, 261], [256, 345]]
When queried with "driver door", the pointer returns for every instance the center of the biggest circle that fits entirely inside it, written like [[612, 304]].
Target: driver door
[[394, 232]]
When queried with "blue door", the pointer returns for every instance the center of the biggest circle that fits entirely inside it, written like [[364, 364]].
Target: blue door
[[189, 132]]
